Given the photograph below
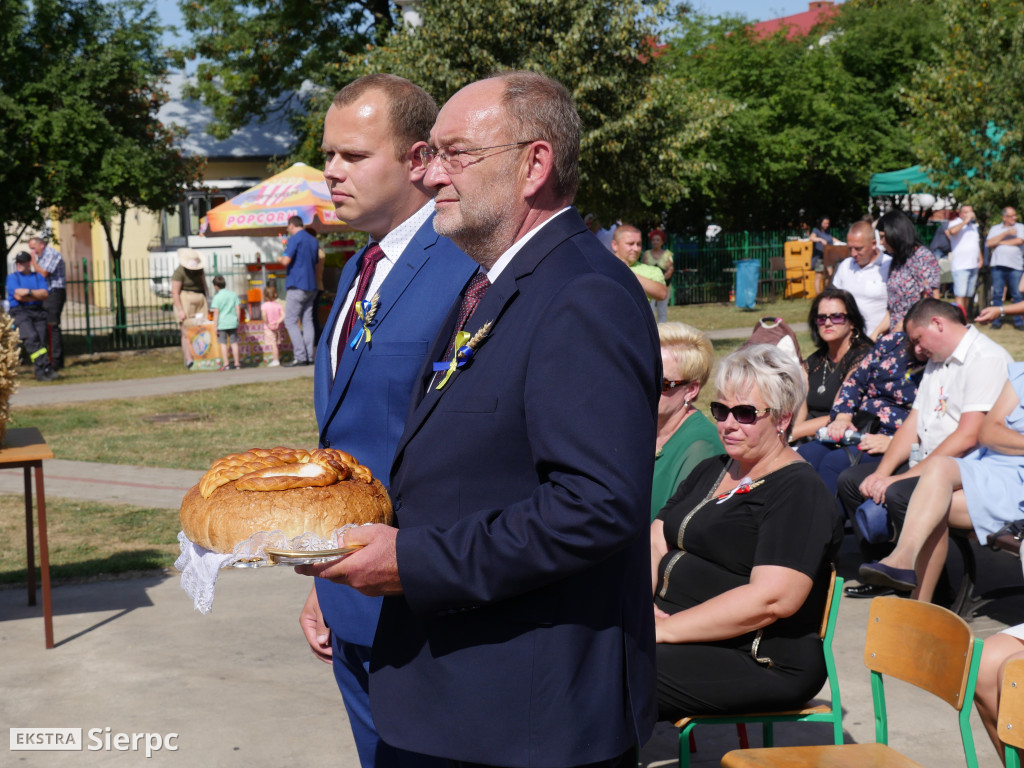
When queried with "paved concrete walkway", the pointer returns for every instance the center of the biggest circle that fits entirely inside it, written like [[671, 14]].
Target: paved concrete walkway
[[239, 685]]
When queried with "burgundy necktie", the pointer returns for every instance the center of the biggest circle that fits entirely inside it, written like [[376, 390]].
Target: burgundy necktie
[[368, 265], [474, 292]]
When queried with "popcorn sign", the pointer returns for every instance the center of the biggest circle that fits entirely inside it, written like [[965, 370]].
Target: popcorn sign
[[259, 219]]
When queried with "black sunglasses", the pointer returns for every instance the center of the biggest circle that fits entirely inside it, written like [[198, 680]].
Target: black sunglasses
[[837, 318], [667, 385], [744, 414]]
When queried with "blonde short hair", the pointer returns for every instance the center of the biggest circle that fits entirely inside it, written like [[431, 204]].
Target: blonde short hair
[[689, 348], [776, 375]]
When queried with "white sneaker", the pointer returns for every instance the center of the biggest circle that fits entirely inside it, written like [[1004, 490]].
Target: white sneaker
[[274, 364]]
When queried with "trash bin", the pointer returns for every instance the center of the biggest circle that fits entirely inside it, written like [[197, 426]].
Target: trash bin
[[747, 273]]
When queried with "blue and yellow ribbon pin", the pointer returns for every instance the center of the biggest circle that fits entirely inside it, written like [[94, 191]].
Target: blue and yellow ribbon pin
[[364, 311], [462, 356]]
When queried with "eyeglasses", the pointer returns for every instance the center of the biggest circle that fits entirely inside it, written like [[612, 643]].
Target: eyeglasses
[[667, 385], [836, 318], [744, 414], [450, 156]]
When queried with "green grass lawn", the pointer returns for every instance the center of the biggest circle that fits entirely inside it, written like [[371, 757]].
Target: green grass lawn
[[191, 430], [88, 539]]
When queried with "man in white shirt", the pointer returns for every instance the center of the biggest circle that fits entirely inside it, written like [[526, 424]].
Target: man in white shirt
[[1007, 262], [965, 257], [367, 361], [964, 376], [864, 275]]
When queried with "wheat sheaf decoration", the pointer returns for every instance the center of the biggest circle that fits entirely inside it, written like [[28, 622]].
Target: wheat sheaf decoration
[[10, 358]]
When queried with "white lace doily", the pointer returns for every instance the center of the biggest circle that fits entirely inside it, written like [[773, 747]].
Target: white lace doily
[[200, 567]]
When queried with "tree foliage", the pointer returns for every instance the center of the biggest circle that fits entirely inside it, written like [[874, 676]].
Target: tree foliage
[[87, 98], [816, 116], [966, 103], [88, 126], [639, 128], [20, 173], [251, 52]]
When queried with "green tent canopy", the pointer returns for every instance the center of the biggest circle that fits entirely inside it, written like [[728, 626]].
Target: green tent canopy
[[897, 182]]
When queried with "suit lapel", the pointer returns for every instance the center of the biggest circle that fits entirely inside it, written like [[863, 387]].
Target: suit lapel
[[493, 305], [398, 280], [322, 372], [490, 309]]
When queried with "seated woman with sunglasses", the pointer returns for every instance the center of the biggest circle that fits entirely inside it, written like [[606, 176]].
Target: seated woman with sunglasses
[[873, 401], [685, 436], [837, 330], [741, 555]]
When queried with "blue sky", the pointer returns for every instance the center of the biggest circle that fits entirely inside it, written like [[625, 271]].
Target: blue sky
[[758, 10]]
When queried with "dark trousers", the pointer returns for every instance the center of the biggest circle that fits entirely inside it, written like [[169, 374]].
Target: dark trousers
[[625, 760], [54, 306], [897, 497], [31, 322]]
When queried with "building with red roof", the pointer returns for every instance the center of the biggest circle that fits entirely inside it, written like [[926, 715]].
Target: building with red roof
[[797, 24]]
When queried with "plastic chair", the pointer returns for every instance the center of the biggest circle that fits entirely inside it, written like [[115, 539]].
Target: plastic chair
[[919, 643], [776, 280], [827, 712], [1011, 712]]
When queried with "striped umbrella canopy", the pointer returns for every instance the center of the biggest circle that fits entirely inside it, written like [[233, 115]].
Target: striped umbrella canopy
[[265, 209]]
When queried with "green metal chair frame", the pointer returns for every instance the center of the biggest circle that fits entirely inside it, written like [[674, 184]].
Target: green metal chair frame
[[821, 713], [919, 643], [1011, 712]]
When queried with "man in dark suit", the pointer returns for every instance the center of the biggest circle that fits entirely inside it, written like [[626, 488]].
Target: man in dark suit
[[517, 627], [407, 278]]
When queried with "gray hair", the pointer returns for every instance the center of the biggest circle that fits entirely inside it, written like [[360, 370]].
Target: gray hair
[[776, 375]]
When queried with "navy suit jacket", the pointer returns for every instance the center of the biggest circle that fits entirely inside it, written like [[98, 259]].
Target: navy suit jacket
[[525, 633], [363, 410]]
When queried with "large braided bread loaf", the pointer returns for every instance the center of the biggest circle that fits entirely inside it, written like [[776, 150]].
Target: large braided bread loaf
[[280, 489]]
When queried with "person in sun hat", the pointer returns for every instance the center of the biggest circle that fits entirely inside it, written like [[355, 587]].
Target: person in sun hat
[[189, 294]]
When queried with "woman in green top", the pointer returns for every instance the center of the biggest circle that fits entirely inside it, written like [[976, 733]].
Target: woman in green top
[[685, 435]]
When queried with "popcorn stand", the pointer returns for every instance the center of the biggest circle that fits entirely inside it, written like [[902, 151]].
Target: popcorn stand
[[263, 210]]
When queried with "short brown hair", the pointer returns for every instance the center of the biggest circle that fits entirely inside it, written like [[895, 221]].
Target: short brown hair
[[927, 308], [411, 110], [538, 107], [623, 229]]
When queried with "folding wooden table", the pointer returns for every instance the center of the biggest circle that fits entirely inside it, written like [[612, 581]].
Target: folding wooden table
[[26, 448]]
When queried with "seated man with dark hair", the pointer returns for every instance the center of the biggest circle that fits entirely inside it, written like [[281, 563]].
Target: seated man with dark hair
[[962, 380]]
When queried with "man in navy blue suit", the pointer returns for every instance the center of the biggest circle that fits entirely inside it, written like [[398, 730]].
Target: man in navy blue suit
[[366, 363], [517, 626]]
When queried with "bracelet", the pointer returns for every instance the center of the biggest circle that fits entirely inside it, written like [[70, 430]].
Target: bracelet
[[1002, 311]]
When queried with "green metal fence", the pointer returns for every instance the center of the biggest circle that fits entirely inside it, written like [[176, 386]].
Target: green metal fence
[[705, 272], [706, 267], [130, 310]]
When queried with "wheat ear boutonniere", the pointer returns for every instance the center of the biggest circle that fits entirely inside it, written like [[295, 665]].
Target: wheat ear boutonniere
[[465, 348], [365, 311]]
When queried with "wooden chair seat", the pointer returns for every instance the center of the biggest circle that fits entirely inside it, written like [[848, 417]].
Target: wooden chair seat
[[829, 756], [919, 643]]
